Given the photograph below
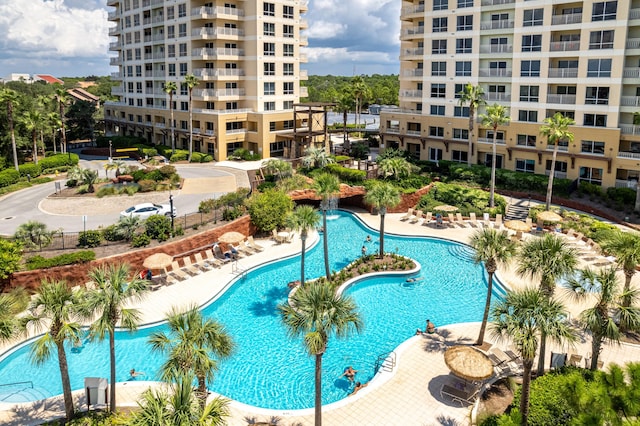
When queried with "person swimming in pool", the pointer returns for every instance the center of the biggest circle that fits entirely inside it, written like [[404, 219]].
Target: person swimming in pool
[[357, 387], [133, 373], [350, 373], [368, 238]]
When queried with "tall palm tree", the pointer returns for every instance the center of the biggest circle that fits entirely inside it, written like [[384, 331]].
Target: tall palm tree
[[326, 186], [382, 196], [523, 316], [114, 291], [56, 311], [191, 342], [317, 312], [10, 98], [191, 81], [625, 246], [303, 219], [179, 407], [556, 130], [170, 87], [359, 90], [53, 120], [496, 116], [62, 97], [32, 123], [600, 319], [473, 96], [344, 105], [491, 247], [546, 259]]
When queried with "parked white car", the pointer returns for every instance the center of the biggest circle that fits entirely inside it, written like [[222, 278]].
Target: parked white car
[[146, 210]]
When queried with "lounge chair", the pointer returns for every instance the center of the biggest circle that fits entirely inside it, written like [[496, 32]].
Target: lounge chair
[[253, 245], [217, 252], [459, 395], [529, 222], [473, 220], [201, 263], [243, 250], [407, 216], [460, 221], [452, 221], [190, 267], [277, 237], [498, 223], [416, 217], [177, 272], [428, 217], [211, 259]]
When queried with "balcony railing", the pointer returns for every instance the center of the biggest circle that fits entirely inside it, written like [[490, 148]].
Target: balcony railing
[[411, 94], [414, 132], [304, 91], [413, 31], [557, 174], [629, 129], [633, 184], [570, 18], [413, 73], [561, 148], [495, 72], [631, 73], [633, 43], [490, 141], [214, 93], [626, 154], [205, 32], [493, 96], [634, 14], [563, 72], [496, 25], [496, 48], [416, 51], [564, 46], [553, 98], [205, 53], [633, 101], [218, 72], [112, 16], [496, 2], [410, 10], [213, 12], [114, 31]]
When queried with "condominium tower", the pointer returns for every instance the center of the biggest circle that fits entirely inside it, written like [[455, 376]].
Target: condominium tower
[[536, 57], [244, 53]]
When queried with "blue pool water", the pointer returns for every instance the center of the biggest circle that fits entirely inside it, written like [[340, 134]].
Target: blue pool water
[[271, 370]]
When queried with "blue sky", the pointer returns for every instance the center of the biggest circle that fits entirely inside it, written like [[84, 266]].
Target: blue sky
[[70, 37]]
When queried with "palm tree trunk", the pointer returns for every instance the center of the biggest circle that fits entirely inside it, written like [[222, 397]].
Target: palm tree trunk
[[346, 138], [325, 244], [173, 131], [382, 212], [551, 175], [469, 154], [493, 169], [66, 383], [303, 237], [55, 150], [112, 364], [190, 127], [318, 402], [543, 350], [526, 387], [34, 136], [63, 141], [487, 306], [202, 390], [13, 135], [596, 346]]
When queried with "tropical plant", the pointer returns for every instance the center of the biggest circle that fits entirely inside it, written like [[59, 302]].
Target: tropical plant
[[491, 247], [115, 165], [316, 312], [473, 96], [32, 123], [56, 311], [600, 319], [326, 186], [396, 167], [54, 122], [10, 257], [190, 345], [382, 197], [359, 90], [303, 219], [62, 97], [8, 321], [279, 168], [496, 116], [316, 157], [625, 246], [343, 105], [10, 98], [170, 88], [89, 178], [191, 81], [556, 130], [268, 209], [34, 234], [127, 226], [523, 316]]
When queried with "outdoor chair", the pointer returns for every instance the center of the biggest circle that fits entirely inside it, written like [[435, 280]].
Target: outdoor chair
[[452, 221], [279, 239], [201, 263], [461, 222], [219, 255], [211, 259], [407, 216], [189, 267], [473, 220], [498, 223], [416, 217], [428, 217], [177, 272], [253, 245], [462, 396]]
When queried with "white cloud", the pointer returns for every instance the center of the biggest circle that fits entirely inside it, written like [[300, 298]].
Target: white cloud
[[324, 30]]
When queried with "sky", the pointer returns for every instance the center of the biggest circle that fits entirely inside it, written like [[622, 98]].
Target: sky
[[69, 38]]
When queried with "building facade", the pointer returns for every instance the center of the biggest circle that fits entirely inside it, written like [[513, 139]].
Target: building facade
[[244, 53], [536, 57]]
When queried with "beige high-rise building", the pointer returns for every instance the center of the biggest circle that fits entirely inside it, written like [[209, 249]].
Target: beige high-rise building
[[536, 57], [244, 53]]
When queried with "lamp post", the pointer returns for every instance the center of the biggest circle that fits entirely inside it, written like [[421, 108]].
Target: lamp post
[[171, 209], [110, 156]]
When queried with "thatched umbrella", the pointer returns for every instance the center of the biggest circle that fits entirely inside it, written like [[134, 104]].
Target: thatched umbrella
[[446, 208], [517, 225], [549, 216], [157, 261], [468, 363], [231, 237]]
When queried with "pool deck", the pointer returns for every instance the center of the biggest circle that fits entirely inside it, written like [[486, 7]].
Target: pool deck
[[410, 395]]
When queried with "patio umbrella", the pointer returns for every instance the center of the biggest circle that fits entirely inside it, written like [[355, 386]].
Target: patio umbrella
[[231, 237], [549, 216], [517, 225], [157, 261], [468, 363], [446, 208]]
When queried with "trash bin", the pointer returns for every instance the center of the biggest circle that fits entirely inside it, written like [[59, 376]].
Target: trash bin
[[96, 391]]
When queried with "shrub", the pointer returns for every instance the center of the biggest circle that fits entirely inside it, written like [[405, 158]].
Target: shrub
[[625, 196], [10, 256], [129, 189], [207, 206], [167, 170], [34, 234], [199, 157], [345, 174], [106, 190], [147, 185], [58, 161], [33, 170], [89, 238], [179, 155], [266, 185], [590, 189], [140, 240], [139, 175], [150, 152], [465, 198], [158, 227], [9, 177], [269, 209], [155, 175], [232, 213], [39, 262], [112, 233]]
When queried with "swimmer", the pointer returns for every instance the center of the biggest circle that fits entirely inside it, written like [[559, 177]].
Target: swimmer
[[357, 387], [350, 373], [431, 328], [364, 250], [135, 373], [411, 280], [368, 238]]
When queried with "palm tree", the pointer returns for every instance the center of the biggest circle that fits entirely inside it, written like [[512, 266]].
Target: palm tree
[[127, 226], [625, 246], [326, 186], [344, 105], [8, 323], [53, 120], [396, 167], [317, 312], [523, 316], [190, 344], [179, 407], [473, 96], [382, 196], [62, 98], [55, 309], [170, 87], [303, 219], [556, 130], [600, 319], [279, 168], [10, 98], [316, 157], [114, 291], [32, 123], [358, 89], [546, 259], [191, 81], [34, 234], [89, 178], [492, 248], [496, 116]]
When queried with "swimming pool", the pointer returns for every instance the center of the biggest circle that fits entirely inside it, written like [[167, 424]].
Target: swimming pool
[[269, 369]]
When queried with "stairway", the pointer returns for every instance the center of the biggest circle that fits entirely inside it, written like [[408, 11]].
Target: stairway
[[518, 210]]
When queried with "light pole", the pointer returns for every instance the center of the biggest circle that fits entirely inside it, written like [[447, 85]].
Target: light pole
[[110, 156], [171, 209]]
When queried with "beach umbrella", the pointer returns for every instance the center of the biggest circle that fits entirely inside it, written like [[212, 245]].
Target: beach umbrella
[[157, 261], [549, 216], [517, 225], [468, 363], [446, 208], [231, 237]]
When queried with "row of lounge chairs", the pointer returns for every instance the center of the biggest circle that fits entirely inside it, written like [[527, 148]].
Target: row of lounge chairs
[[457, 221]]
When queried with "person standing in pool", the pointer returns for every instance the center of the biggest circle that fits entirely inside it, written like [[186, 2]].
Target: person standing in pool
[[350, 373], [364, 251]]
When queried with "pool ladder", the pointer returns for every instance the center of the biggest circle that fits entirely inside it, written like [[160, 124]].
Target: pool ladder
[[386, 362]]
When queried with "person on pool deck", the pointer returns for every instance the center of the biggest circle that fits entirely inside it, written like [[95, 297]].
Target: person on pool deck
[[357, 387], [350, 373]]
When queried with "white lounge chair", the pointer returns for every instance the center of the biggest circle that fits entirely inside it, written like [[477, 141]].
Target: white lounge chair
[[473, 220], [462, 396], [416, 217], [460, 221], [217, 252], [253, 245], [177, 272], [407, 216], [428, 217]]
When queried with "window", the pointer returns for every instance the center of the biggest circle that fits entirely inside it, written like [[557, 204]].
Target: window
[[591, 175], [138, 70], [465, 3], [461, 111], [532, 43], [269, 9], [499, 44], [438, 47], [182, 30], [438, 69], [435, 154], [497, 92], [287, 31], [436, 132], [138, 54], [597, 96], [464, 23], [529, 93], [440, 4], [527, 140], [269, 68], [463, 68], [269, 29], [437, 109], [231, 105], [287, 88], [172, 70], [596, 120], [530, 69], [184, 106], [459, 156], [287, 104], [592, 147], [287, 49], [488, 160], [287, 12], [601, 39], [438, 91], [269, 49], [463, 45], [171, 12], [287, 69], [129, 54], [171, 31], [182, 10], [561, 166], [183, 69], [599, 68], [183, 49], [269, 106], [270, 88], [566, 90], [526, 115], [604, 11], [526, 166], [532, 17], [461, 134], [439, 25], [184, 91]]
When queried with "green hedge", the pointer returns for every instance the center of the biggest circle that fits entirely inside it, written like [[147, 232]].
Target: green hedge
[[9, 177], [345, 174], [199, 157], [58, 160], [31, 169], [466, 199], [39, 262], [179, 155]]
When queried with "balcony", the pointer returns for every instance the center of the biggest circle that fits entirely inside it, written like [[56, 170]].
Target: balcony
[[112, 2], [217, 93], [553, 98], [570, 18], [561, 148], [216, 12], [114, 31], [303, 58], [113, 16], [204, 53], [304, 24], [496, 25], [496, 48], [116, 45], [304, 92], [213, 73], [304, 6], [490, 141], [419, 30], [632, 101], [207, 33], [500, 97], [303, 74], [563, 72], [411, 94], [115, 62], [116, 76], [633, 43], [564, 46], [631, 73], [117, 90], [418, 72], [630, 155], [394, 130], [629, 129], [495, 72], [496, 2], [416, 51], [634, 14], [632, 184], [411, 10]]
